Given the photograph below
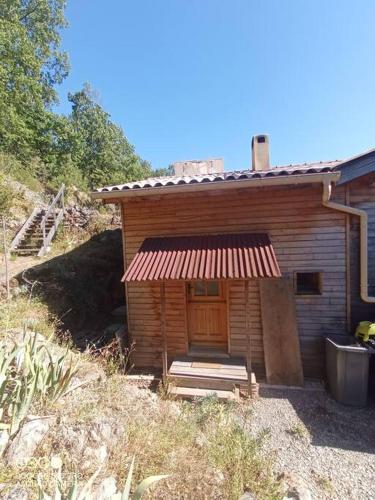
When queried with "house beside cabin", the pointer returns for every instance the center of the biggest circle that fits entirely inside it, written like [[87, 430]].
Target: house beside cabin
[[233, 276]]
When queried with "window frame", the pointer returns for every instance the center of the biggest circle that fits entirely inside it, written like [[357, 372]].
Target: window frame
[[318, 293], [205, 298]]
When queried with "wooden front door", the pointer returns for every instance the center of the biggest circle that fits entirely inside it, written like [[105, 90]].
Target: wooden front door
[[207, 315]]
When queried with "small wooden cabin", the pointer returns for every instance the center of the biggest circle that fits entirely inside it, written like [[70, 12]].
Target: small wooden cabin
[[233, 273]]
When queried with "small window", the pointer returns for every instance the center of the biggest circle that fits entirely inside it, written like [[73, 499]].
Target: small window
[[308, 283], [213, 288], [205, 289], [261, 139], [199, 288]]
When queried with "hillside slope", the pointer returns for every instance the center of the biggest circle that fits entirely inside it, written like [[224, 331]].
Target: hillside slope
[[79, 280]]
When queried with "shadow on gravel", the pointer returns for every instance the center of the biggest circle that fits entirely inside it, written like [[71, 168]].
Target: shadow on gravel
[[330, 423], [82, 286]]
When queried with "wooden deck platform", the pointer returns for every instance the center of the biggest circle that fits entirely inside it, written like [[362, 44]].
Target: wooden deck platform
[[197, 377]]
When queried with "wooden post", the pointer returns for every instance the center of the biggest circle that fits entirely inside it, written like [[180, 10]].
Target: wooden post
[[62, 198], [163, 330], [43, 224], [6, 259], [248, 332]]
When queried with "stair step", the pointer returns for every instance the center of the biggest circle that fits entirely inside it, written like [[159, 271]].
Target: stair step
[[40, 233], [30, 241], [36, 231], [204, 382], [21, 251], [32, 227], [42, 221], [32, 250], [190, 393], [28, 248]]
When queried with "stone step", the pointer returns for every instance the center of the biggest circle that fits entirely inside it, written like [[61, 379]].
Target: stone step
[[191, 393]]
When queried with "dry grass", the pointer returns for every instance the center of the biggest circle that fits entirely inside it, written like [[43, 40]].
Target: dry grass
[[299, 431], [207, 453], [324, 483], [28, 313], [204, 446], [67, 239]]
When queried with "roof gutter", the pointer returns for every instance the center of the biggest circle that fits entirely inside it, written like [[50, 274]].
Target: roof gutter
[[363, 236], [287, 180]]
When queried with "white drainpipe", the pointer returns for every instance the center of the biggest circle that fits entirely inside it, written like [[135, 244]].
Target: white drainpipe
[[363, 240]]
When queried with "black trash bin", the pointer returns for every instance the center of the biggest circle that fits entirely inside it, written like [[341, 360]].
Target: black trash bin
[[347, 366]]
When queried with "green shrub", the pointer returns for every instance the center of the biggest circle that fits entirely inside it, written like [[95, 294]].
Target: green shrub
[[25, 174], [27, 371]]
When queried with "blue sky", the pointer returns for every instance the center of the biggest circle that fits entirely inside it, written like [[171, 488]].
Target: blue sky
[[197, 78]]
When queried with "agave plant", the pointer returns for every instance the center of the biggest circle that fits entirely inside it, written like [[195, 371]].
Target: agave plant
[[20, 401], [16, 390], [6, 358], [27, 371], [86, 492], [72, 492], [141, 487], [56, 377]]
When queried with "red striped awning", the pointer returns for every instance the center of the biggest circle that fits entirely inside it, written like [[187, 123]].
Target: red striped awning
[[209, 257]]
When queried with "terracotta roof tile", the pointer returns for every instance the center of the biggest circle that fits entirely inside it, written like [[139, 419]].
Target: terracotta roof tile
[[289, 170]]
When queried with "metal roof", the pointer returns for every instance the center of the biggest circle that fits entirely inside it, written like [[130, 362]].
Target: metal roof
[[159, 182], [208, 257]]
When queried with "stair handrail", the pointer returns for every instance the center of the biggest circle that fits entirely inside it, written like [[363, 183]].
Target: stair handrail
[[48, 237], [23, 229]]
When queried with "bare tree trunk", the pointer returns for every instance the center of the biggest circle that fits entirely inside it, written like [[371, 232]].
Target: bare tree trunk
[[6, 259]]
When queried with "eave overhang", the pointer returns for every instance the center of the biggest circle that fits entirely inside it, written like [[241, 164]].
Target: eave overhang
[[115, 196]]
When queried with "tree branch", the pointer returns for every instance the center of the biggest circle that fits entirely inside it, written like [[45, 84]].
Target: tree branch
[[30, 11]]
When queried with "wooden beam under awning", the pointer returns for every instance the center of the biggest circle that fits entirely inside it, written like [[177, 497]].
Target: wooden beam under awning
[[163, 330]]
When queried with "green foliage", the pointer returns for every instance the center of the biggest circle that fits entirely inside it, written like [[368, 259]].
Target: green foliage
[[27, 371], [85, 149], [31, 63], [6, 196], [142, 487], [101, 150], [162, 172], [25, 174]]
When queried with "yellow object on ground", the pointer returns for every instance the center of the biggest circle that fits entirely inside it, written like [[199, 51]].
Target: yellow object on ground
[[365, 330]]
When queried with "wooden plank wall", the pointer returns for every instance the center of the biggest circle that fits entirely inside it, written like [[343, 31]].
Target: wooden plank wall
[[144, 321], [280, 332], [305, 235], [237, 322], [358, 167], [362, 195]]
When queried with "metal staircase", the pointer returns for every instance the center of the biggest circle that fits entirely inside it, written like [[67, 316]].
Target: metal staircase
[[35, 236]]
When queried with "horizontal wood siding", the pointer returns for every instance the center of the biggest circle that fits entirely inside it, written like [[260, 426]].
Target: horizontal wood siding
[[144, 321], [237, 322], [305, 236], [362, 195], [358, 167]]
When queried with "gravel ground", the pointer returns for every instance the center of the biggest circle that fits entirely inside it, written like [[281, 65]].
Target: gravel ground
[[328, 447]]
